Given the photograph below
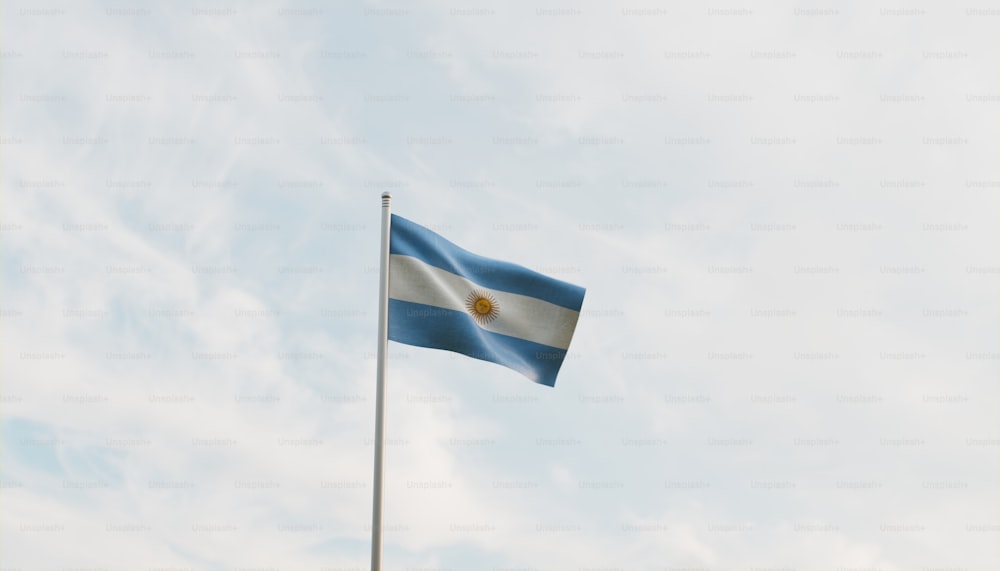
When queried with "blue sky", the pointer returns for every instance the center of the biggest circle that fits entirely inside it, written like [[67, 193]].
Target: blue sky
[[784, 216]]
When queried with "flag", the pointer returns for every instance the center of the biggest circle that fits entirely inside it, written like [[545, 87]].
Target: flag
[[444, 297]]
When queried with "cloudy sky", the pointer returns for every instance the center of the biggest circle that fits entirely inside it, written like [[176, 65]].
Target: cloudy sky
[[785, 216]]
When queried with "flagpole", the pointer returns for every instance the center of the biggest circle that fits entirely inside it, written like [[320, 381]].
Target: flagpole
[[383, 342]]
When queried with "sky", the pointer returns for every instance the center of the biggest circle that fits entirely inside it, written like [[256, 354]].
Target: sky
[[784, 214]]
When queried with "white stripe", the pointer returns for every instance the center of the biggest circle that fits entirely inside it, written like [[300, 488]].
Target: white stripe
[[519, 316]]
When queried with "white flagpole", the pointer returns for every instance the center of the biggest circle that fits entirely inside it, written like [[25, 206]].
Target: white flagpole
[[383, 342]]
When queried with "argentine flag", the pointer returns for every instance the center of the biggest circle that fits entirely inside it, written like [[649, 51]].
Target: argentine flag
[[444, 297]]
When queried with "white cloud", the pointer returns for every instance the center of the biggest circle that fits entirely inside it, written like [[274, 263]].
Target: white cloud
[[785, 222]]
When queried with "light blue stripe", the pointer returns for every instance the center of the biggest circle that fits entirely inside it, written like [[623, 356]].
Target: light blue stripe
[[410, 239], [438, 328]]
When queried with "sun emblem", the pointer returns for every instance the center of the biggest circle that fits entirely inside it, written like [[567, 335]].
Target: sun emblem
[[482, 306]]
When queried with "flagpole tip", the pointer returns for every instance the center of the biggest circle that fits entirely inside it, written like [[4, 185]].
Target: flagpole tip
[[387, 194]]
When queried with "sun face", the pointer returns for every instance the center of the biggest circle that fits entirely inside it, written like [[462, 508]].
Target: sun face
[[482, 306]]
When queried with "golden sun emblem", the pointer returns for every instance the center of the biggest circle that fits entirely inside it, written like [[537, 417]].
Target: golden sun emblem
[[482, 306]]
